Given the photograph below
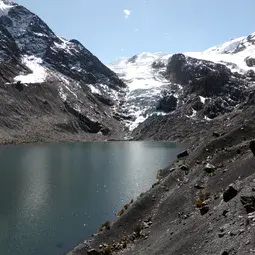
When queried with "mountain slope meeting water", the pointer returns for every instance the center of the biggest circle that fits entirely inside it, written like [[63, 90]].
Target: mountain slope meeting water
[[203, 203], [53, 89]]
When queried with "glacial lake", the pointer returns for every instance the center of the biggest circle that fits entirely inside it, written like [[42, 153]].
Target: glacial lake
[[54, 196]]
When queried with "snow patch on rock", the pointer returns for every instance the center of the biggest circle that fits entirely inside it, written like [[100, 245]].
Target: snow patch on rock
[[39, 73], [4, 8], [94, 90]]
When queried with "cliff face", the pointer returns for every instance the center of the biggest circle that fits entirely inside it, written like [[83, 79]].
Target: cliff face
[[51, 88]]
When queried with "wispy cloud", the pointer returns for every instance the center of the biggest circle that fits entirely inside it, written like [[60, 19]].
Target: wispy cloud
[[127, 13], [136, 29]]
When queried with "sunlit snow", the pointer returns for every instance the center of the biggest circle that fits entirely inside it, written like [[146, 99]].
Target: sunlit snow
[[202, 99], [146, 82], [4, 8], [39, 73], [94, 90]]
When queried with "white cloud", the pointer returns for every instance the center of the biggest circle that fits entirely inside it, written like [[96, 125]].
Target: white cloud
[[127, 13], [136, 29]]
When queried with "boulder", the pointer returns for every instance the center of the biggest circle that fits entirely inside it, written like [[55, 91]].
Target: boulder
[[204, 210], [209, 168], [183, 154], [252, 147], [198, 186], [19, 86], [215, 134], [184, 168], [248, 203], [229, 193], [93, 252], [167, 103], [250, 61], [216, 107], [197, 105]]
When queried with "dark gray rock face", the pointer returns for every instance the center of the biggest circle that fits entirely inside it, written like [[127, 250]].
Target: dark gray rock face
[[250, 62], [252, 147], [157, 65], [229, 193], [248, 203], [197, 105], [133, 59], [203, 77], [206, 91], [167, 103], [62, 103], [183, 154]]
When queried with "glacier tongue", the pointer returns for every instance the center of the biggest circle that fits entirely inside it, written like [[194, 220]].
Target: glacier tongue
[[145, 84]]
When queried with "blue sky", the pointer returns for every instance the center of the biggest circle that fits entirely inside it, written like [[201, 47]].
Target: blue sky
[[169, 26]]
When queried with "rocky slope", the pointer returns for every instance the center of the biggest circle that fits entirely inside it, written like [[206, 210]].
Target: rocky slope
[[52, 88], [205, 202]]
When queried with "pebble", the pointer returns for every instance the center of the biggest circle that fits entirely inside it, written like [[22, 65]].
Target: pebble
[[242, 230], [221, 234], [222, 229], [232, 233]]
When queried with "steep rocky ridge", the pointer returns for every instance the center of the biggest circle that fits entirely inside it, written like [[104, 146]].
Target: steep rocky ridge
[[52, 89]]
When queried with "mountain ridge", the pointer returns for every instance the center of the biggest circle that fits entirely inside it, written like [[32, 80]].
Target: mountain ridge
[[86, 91], [144, 73]]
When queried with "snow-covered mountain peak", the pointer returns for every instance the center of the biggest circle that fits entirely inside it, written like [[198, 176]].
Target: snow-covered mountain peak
[[139, 59], [145, 73], [227, 47], [32, 56]]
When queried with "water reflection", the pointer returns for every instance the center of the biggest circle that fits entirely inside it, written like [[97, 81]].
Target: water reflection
[[55, 196]]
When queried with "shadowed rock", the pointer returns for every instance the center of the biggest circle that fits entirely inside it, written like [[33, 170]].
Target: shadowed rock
[[229, 193], [248, 203], [183, 154], [252, 147]]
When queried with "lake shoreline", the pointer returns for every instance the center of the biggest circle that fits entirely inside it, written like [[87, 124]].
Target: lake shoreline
[[168, 211], [51, 140], [49, 189]]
